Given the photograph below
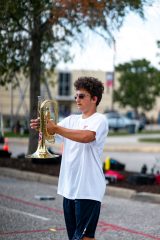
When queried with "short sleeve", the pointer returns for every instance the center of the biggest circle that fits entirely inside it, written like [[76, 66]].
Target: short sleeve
[[99, 124]]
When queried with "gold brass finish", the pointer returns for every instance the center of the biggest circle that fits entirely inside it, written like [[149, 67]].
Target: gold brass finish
[[44, 113]]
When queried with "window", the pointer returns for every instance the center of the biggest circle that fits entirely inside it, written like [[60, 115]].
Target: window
[[64, 84]]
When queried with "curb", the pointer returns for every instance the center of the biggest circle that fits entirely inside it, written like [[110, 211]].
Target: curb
[[120, 192], [31, 176], [110, 191], [147, 197]]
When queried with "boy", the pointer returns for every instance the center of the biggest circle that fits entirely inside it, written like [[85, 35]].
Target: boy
[[81, 180]]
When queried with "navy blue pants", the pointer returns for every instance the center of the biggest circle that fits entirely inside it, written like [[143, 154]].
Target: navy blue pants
[[81, 217]]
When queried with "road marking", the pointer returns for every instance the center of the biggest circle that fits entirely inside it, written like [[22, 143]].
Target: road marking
[[58, 211], [25, 213], [104, 227]]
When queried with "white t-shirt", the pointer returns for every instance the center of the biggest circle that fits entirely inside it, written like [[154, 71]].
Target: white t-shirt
[[81, 174]]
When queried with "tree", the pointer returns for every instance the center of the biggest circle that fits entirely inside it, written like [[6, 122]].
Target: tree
[[139, 85], [35, 35]]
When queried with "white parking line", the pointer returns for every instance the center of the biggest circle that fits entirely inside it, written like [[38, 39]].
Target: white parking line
[[25, 213]]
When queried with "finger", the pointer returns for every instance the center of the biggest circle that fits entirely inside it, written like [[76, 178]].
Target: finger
[[34, 125], [32, 120]]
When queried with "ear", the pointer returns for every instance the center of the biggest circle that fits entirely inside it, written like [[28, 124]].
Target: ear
[[95, 99]]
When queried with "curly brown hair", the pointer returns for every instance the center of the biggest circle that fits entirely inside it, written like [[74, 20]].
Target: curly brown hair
[[91, 85]]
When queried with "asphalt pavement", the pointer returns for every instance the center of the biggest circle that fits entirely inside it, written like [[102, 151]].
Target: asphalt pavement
[[25, 216]]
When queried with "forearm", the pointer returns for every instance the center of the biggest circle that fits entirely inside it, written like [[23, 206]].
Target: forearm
[[83, 136]]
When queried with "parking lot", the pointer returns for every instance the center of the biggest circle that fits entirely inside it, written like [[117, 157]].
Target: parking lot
[[24, 216]]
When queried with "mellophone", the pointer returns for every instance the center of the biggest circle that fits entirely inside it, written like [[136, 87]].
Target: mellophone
[[44, 113]]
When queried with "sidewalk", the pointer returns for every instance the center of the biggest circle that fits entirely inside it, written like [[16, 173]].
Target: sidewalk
[[117, 143]]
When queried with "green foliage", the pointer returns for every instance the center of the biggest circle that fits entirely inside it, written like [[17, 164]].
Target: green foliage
[[139, 85], [21, 23], [55, 25]]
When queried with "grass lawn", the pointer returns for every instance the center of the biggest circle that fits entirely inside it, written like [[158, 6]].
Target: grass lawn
[[125, 133], [12, 134], [151, 140]]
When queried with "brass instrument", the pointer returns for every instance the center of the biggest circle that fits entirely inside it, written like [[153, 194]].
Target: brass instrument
[[44, 114]]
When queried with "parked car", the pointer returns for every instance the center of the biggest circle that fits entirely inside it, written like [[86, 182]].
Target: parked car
[[117, 122], [140, 117]]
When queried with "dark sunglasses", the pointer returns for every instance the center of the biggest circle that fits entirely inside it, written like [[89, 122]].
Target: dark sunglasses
[[80, 96]]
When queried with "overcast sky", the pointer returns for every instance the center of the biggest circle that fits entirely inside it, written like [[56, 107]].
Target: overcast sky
[[135, 40]]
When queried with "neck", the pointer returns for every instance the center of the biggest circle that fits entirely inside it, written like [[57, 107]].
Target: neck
[[88, 114]]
